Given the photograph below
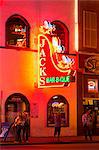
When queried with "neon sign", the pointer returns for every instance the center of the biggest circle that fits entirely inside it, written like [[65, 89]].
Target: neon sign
[[15, 29], [47, 28], [58, 79], [92, 85], [54, 68]]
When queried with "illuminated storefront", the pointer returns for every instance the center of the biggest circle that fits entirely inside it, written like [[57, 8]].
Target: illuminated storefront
[[39, 67], [90, 84]]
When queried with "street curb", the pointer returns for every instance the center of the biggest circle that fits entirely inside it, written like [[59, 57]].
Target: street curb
[[42, 143]]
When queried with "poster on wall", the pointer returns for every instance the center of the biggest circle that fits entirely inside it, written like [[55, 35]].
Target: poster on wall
[[55, 67], [34, 110]]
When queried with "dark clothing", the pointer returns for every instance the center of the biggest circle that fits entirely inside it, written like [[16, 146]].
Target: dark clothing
[[57, 130], [18, 127], [26, 131], [87, 125], [94, 119], [18, 133], [87, 132], [26, 126], [57, 121]]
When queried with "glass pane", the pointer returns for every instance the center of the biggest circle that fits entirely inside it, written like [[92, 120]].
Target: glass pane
[[93, 39], [93, 21], [57, 106], [87, 38], [17, 32]]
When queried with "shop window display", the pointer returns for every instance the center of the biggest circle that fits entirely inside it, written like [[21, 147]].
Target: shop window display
[[58, 104], [93, 105]]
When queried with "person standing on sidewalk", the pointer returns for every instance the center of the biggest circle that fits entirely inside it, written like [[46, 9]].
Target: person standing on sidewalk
[[90, 125], [25, 126], [87, 124], [94, 119], [18, 127], [57, 121]]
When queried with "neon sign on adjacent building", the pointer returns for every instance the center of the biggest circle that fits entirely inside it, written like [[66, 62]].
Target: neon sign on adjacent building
[[55, 68]]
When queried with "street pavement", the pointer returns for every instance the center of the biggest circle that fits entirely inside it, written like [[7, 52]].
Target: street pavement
[[75, 146], [51, 140]]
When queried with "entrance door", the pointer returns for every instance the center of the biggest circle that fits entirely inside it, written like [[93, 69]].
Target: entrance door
[[93, 105], [15, 103]]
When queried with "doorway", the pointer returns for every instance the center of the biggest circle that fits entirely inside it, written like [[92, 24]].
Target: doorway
[[15, 103], [93, 105]]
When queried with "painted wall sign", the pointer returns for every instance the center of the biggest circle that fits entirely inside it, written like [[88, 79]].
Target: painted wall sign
[[55, 67]]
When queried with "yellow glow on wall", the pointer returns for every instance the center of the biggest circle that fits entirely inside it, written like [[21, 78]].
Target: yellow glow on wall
[[76, 25]]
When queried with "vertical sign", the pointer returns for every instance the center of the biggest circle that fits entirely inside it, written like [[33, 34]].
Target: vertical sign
[[55, 68]]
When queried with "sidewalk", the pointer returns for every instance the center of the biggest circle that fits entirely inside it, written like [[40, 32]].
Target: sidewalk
[[52, 140]]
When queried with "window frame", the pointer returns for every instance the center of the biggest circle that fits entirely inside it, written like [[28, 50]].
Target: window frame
[[59, 98], [88, 27], [64, 30], [24, 21]]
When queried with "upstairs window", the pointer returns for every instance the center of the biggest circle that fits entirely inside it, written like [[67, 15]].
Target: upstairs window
[[63, 34], [17, 32], [89, 29]]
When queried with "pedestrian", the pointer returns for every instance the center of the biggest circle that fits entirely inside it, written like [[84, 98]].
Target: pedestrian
[[94, 119], [87, 124], [57, 121], [84, 123], [25, 126], [18, 127], [90, 125]]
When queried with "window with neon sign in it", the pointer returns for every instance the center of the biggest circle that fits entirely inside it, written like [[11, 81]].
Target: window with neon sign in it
[[92, 85], [63, 34], [17, 32], [58, 104]]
